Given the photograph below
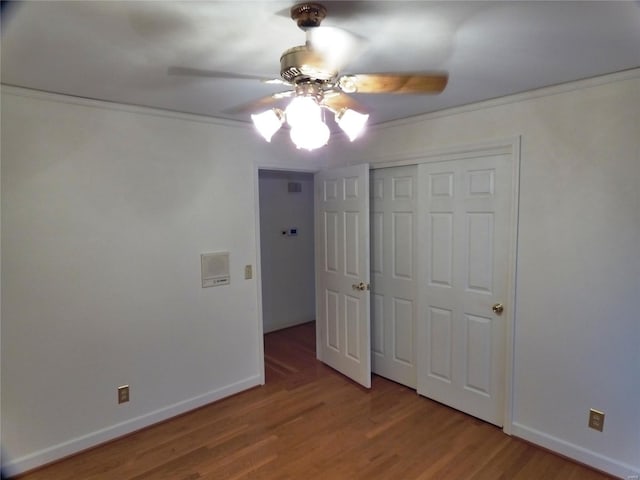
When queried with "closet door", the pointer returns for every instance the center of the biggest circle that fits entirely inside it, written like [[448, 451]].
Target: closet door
[[393, 273], [466, 226]]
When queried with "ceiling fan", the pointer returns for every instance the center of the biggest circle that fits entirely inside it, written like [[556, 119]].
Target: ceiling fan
[[312, 71]]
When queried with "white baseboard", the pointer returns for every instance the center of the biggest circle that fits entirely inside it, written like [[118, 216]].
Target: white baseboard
[[75, 445], [274, 328], [576, 452]]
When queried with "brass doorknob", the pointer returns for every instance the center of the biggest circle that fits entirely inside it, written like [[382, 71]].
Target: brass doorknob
[[498, 308], [360, 286]]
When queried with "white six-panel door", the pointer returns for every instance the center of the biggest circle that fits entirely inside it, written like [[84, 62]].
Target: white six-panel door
[[394, 273], [465, 225], [342, 271]]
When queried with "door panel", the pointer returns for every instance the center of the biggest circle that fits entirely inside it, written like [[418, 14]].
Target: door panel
[[478, 355], [343, 329], [440, 264], [394, 282], [439, 333], [402, 224], [403, 315], [465, 213], [332, 316]]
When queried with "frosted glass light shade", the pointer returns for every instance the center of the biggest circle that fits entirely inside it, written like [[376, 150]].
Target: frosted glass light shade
[[310, 136], [268, 123], [352, 122], [303, 111]]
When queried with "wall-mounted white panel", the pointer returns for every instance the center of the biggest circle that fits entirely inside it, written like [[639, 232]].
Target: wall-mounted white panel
[[478, 354], [214, 269], [440, 330]]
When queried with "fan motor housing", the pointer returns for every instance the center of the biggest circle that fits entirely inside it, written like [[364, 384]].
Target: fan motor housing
[[302, 64]]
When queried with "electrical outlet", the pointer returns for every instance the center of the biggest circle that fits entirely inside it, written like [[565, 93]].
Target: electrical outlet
[[596, 419], [123, 394], [248, 272]]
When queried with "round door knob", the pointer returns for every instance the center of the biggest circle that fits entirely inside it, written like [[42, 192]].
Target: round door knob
[[360, 286], [498, 308]]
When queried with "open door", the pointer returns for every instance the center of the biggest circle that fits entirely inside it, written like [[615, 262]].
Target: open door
[[343, 327]]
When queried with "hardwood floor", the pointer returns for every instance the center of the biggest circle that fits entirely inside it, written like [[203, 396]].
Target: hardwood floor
[[309, 422]]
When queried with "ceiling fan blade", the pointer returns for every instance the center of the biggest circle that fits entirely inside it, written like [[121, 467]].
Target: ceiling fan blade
[[394, 83], [339, 101], [261, 104], [197, 72]]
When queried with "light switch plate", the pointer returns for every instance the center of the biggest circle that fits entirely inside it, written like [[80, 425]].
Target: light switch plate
[[596, 419], [123, 394]]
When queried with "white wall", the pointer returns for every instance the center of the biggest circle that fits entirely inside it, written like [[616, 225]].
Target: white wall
[[577, 332], [105, 212], [288, 280]]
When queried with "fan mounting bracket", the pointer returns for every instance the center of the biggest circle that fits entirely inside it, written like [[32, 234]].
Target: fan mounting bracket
[[308, 14]]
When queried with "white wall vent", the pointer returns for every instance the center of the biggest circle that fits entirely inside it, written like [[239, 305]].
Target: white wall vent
[[295, 187]]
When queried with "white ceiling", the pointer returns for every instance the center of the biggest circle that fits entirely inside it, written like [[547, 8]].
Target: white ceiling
[[120, 50]]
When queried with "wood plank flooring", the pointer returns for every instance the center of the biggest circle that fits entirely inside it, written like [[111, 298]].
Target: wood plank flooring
[[309, 422]]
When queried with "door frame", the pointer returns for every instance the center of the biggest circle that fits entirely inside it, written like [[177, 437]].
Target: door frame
[[257, 270], [505, 146]]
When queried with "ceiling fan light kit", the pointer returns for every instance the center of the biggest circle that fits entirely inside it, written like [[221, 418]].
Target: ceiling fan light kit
[[303, 110], [308, 130], [268, 123], [351, 122], [310, 135], [304, 116], [312, 72]]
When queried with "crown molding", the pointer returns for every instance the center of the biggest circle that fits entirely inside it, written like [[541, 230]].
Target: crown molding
[[119, 107], [516, 97]]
